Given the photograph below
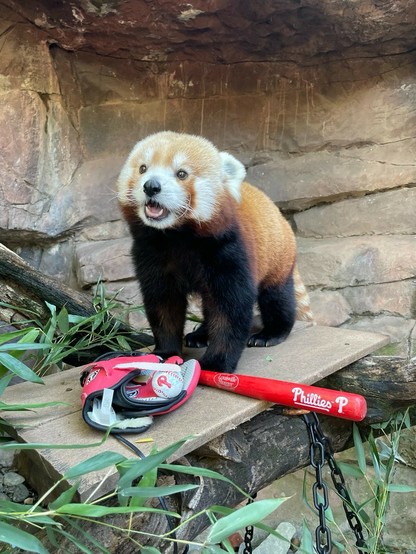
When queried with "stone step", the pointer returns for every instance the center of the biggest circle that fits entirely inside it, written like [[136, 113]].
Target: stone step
[[308, 355]]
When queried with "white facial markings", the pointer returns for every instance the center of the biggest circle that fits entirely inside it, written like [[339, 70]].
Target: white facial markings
[[206, 193], [209, 174], [123, 189], [179, 162], [172, 196], [146, 155]]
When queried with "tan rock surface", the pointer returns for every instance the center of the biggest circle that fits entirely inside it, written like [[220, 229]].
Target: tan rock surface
[[318, 100], [391, 212], [351, 261]]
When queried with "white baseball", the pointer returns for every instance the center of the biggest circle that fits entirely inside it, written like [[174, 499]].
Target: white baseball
[[167, 384]]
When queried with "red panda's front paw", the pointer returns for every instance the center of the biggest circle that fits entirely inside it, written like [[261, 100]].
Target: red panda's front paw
[[263, 339], [222, 364]]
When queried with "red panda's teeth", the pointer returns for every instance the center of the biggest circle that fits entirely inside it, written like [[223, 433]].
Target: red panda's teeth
[[155, 211]]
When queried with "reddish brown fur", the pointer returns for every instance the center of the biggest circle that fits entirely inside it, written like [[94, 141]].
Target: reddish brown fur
[[223, 219], [267, 235], [129, 212]]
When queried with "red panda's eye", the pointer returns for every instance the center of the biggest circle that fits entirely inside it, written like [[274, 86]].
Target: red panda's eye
[[142, 169], [181, 174]]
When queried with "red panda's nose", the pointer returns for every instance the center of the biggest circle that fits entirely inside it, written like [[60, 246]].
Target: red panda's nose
[[152, 187]]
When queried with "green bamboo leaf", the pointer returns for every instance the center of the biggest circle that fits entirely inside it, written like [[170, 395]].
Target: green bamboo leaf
[[40, 519], [25, 343], [95, 510], [137, 468], [328, 512], [382, 425], [154, 492], [223, 510], [51, 308], [359, 449], [19, 368], [98, 320], [213, 549], [376, 466], [9, 507], [18, 346], [124, 345], [51, 534], [248, 515], [14, 335], [4, 381], [64, 498], [362, 514], [31, 335], [63, 320], [73, 319], [95, 463], [81, 546], [72, 522], [306, 541], [406, 419], [350, 469], [400, 488], [202, 472], [20, 539], [149, 479], [341, 547], [149, 550]]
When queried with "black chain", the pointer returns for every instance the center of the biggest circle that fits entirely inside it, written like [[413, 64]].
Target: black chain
[[321, 451], [249, 532]]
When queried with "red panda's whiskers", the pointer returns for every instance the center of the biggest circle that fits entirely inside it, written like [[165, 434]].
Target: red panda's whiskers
[[186, 209]]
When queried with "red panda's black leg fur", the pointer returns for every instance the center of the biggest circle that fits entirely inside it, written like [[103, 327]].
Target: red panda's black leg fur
[[164, 296], [277, 304], [227, 321], [228, 296], [166, 315]]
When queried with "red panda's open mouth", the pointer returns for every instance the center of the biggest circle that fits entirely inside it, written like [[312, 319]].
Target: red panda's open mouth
[[153, 210]]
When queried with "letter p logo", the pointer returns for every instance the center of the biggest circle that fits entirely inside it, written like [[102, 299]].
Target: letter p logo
[[341, 401]]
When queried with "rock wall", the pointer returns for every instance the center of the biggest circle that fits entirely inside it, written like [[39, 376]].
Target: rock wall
[[318, 100]]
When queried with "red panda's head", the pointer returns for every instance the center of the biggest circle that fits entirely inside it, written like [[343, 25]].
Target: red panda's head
[[172, 178]]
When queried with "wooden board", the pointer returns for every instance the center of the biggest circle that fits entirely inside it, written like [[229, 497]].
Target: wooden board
[[308, 355]]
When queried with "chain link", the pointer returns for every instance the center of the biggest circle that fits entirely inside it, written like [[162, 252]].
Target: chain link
[[249, 532], [248, 537], [321, 451]]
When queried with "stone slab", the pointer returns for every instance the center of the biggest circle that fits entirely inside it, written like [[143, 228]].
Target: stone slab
[[276, 545], [352, 261], [306, 356]]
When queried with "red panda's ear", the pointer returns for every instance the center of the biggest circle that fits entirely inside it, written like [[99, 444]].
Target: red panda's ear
[[233, 173]]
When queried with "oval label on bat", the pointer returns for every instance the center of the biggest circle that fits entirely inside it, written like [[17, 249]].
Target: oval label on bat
[[226, 381]]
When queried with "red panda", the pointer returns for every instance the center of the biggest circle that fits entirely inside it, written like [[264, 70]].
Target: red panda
[[197, 227]]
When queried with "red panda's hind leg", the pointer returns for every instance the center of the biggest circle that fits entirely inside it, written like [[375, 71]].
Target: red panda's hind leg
[[277, 304], [197, 338]]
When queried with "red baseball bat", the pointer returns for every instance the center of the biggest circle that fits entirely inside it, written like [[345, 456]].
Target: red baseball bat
[[295, 395]]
